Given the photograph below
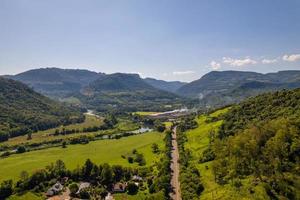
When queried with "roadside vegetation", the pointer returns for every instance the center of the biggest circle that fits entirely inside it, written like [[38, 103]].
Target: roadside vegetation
[[248, 151]]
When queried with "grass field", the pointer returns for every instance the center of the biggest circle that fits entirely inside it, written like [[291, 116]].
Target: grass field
[[27, 196], [44, 135], [91, 120], [144, 113], [198, 141], [101, 151]]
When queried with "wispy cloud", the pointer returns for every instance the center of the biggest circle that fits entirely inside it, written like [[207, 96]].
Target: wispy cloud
[[178, 73], [291, 58], [215, 65], [269, 61], [238, 62]]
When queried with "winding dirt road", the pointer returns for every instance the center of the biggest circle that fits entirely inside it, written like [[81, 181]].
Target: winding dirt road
[[175, 195]]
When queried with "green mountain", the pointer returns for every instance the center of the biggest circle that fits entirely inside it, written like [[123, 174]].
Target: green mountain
[[23, 110], [170, 86], [227, 87], [55, 82], [126, 92], [259, 142]]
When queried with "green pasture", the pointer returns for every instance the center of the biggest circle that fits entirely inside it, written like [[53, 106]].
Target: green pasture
[[197, 142], [101, 151]]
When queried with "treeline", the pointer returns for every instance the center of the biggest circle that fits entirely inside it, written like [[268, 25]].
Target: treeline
[[260, 138], [24, 111], [108, 123], [190, 184], [102, 178], [162, 182]]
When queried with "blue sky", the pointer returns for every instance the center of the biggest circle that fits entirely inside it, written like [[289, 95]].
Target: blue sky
[[165, 39]]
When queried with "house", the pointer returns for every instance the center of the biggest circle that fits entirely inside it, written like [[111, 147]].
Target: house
[[82, 186], [109, 197], [119, 187], [137, 178], [55, 189]]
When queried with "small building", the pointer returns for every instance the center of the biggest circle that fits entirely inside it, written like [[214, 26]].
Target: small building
[[119, 188], [55, 189], [137, 178], [109, 197], [82, 186]]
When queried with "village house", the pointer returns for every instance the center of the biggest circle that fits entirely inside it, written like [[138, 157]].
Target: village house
[[55, 189], [119, 187]]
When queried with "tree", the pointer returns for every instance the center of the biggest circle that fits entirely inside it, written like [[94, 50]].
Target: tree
[[140, 159], [155, 148], [6, 189], [73, 187], [21, 149], [29, 135], [132, 188], [60, 168], [64, 144], [106, 175], [87, 168]]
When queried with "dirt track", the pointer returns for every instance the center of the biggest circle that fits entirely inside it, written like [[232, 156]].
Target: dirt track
[[175, 195]]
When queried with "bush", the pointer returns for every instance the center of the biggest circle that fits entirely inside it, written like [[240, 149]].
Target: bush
[[21, 149], [132, 188], [73, 188], [84, 194], [6, 189]]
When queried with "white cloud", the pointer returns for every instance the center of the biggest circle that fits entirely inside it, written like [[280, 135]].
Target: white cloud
[[291, 58], [183, 72], [139, 73], [214, 65], [269, 61], [238, 62]]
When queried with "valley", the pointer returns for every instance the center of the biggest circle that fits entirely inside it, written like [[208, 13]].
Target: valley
[[178, 146]]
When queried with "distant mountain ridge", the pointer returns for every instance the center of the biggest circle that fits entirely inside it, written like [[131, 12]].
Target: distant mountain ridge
[[216, 88], [219, 88], [126, 92], [56, 82], [170, 86]]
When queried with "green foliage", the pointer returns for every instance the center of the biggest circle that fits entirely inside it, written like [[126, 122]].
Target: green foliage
[[190, 184], [6, 189], [21, 149], [132, 188], [24, 111], [285, 104], [73, 188], [260, 138], [155, 148]]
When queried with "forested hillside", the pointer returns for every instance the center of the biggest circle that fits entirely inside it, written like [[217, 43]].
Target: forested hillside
[[24, 111], [219, 88], [260, 139], [56, 82], [127, 92]]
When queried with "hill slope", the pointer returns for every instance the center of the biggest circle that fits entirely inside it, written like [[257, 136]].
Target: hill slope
[[259, 141], [227, 87], [55, 82], [126, 92], [23, 110]]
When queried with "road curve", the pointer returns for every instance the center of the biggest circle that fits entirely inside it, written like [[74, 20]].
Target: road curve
[[175, 195]]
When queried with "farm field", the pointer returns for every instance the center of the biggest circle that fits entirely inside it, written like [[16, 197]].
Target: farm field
[[144, 113], [101, 151], [27, 196], [44, 135], [198, 141], [90, 121]]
